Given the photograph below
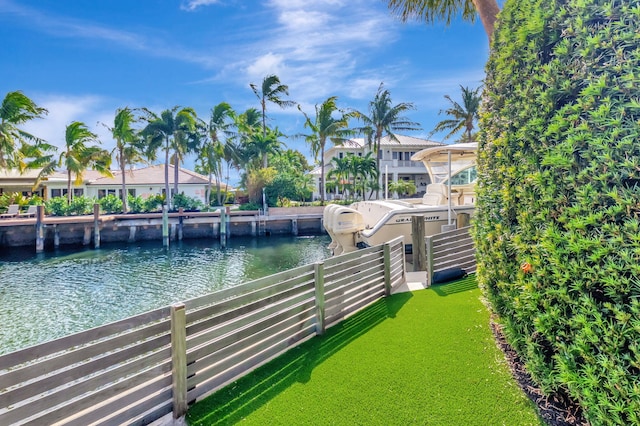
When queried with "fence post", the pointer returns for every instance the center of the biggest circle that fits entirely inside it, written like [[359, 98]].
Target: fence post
[[179, 359], [387, 269], [417, 243], [429, 244], [180, 222], [319, 282], [165, 225]]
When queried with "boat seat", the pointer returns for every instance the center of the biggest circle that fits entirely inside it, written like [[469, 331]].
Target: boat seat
[[436, 194]]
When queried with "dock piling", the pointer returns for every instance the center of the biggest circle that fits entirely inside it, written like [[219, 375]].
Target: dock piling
[[40, 229]]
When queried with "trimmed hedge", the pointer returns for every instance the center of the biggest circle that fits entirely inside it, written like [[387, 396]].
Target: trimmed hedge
[[559, 190]]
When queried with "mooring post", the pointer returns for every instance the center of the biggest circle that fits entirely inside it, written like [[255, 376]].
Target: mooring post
[[223, 227], [96, 225], [40, 229], [165, 225], [418, 244], [56, 236], [228, 219], [294, 227], [180, 222], [179, 359]]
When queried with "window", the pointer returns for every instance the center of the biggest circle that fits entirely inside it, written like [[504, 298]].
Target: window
[[341, 155], [56, 193], [101, 193], [78, 192], [394, 155], [131, 191], [464, 177]]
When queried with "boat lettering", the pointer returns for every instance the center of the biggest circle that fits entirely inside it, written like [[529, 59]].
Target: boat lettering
[[408, 219]]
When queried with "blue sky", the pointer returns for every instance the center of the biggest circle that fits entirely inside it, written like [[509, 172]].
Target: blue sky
[[84, 59]]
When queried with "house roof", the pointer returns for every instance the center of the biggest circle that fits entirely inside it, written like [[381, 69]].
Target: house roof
[[151, 175], [402, 140]]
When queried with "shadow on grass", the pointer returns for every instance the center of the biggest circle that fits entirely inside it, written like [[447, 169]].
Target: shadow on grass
[[239, 399], [464, 284]]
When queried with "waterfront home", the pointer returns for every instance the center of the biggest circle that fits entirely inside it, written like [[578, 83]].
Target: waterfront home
[[144, 182], [395, 159]]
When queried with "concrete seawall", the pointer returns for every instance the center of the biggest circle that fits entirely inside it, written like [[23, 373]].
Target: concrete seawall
[[81, 230]]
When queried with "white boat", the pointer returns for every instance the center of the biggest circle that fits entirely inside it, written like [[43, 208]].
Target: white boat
[[452, 169]]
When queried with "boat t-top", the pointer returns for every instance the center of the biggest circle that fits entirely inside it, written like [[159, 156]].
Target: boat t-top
[[452, 170]]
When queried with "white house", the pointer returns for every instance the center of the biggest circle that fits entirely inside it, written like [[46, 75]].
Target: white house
[[142, 182], [395, 160]]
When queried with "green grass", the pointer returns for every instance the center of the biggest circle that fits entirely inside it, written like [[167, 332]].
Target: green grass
[[424, 358]]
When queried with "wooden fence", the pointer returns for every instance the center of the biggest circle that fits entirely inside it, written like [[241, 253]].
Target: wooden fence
[[448, 250], [142, 368]]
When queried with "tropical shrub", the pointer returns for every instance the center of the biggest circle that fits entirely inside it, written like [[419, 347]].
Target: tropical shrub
[[186, 202], [250, 206], [558, 221], [81, 205], [110, 204], [56, 206], [135, 204], [153, 203]]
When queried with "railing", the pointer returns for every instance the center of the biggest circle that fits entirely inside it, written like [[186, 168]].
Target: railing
[[448, 250], [142, 368]]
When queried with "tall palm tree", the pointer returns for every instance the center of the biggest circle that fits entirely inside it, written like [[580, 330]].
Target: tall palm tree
[[325, 126], [259, 147], [341, 170], [78, 156], [444, 10], [162, 132], [384, 119], [220, 124], [17, 147], [128, 146], [463, 116], [364, 168], [271, 90]]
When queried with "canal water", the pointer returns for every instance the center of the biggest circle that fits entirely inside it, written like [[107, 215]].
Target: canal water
[[50, 295]]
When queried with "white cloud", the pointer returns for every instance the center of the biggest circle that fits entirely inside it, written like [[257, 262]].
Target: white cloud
[[265, 65], [192, 5], [63, 110]]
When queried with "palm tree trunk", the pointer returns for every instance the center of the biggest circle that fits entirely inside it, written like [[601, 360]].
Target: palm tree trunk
[[488, 11], [176, 167], [69, 193], [322, 176], [208, 192], [167, 195], [124, 183]]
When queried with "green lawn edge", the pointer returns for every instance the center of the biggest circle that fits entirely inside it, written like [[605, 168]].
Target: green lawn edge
[[426, 357]]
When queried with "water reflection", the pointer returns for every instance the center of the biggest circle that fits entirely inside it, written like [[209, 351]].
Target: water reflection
[[50, 295]]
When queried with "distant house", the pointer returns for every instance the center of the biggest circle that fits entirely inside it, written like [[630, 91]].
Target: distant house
[[142, 182], [12, 181], [395, 160]]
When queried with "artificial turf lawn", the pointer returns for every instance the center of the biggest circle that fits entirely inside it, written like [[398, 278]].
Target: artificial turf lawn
[[424, 358]]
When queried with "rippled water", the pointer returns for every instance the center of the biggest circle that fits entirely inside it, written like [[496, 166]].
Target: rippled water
[[50, 295]]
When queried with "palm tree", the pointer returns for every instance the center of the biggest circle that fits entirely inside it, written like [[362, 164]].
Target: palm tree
[[259, 146], [438, 10], [220, 123], [365, 169], [128, 146], [463, 115], [384, 118], [271, 90], [78, 156], [169, 131], [16, 145], [325, 126], [341, 170]]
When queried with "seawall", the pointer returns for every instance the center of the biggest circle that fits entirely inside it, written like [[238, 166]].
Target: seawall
[[81, 230]]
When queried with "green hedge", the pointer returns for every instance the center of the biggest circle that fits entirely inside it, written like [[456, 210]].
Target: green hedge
[[560, 189]]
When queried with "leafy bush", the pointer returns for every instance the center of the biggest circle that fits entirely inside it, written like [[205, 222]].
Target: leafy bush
[[81, 205], [186, 202], [110, 204], [135, 204], [249, 206], [57, 206], [558, 221], [153, 203]]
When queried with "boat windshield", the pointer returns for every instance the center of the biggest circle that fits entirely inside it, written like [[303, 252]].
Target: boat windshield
[[463, 171], [463, 177]]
